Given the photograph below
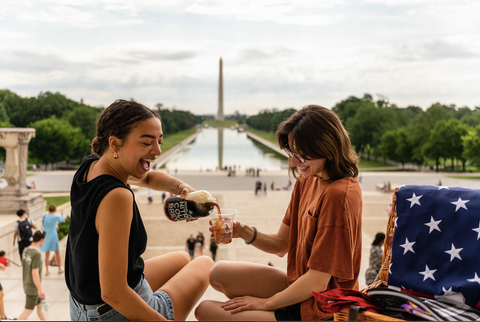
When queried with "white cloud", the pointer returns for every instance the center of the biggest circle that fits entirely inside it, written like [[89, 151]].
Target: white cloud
[[286, 12]]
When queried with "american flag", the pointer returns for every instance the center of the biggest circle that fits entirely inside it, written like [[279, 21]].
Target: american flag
[[436, 245]]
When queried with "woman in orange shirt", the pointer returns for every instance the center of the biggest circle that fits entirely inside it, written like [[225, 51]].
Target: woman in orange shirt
[[321, 230]]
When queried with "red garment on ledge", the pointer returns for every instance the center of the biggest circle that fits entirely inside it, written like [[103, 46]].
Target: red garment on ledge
[[336, 300]]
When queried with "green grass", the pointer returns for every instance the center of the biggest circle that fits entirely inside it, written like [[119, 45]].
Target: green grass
[[467, 178], [169, 141], [269, 136], [220, 123], [366, 164], [56, 200]]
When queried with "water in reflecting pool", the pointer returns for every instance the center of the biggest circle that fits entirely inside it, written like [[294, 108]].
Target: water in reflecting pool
[[219, 147]]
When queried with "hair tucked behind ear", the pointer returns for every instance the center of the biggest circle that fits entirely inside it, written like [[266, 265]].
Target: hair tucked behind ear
[[118, 120], [318, 133]]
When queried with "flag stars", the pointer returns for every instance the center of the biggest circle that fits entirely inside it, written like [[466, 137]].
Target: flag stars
[[475, 279], [428, 273], [443, 187], [477, 230], [448, 292], [407, 246], [460, 204], [414, 200], [433, 224], [454, 253]]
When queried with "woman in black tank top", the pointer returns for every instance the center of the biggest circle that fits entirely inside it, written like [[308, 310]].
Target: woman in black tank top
[[105, 272]]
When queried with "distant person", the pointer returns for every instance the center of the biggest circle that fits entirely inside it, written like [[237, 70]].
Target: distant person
[[265, 188], [190, 246], [22, 229], [272, 186], [213, 249], [50, 222], [439, 183], [200, 242], [150, 196], [32, 277], [164, 195], [258, 187], [3, 260], [376, 254], [3, 264]]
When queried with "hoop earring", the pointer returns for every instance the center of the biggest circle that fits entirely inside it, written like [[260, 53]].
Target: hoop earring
[[115, 155]]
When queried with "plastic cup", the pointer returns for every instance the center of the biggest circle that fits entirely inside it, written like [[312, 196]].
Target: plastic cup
[[222, 225]]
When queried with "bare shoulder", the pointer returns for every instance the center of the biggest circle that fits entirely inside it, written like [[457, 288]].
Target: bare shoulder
[[117, 198]]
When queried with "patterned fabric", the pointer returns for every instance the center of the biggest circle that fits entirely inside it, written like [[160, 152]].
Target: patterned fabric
[[437, 242], [376, 254]]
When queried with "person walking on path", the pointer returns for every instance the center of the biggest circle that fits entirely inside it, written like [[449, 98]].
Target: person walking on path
[[190, 246], [49, 222], [376, 254], [104, 271], [22, 229], [321, 231], [213, 249], [32, 277], [200, 242]]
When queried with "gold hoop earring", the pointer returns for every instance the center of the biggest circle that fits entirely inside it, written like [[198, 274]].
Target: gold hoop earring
[[115, 155]]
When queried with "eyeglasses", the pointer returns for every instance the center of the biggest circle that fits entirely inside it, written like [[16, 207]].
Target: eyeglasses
[[296, 155]]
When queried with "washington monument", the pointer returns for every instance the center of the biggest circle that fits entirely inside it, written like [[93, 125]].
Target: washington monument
[[220, 93]]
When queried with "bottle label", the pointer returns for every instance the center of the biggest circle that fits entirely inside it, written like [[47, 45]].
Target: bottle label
[[179, 211]]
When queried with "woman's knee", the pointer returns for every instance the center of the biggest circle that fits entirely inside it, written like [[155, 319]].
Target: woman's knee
[[220, 275], [204, 310]]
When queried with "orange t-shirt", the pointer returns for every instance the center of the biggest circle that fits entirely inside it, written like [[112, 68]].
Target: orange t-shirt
[[325, 220]]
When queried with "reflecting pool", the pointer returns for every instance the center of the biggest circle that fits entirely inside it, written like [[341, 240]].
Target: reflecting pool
[[219, 147]]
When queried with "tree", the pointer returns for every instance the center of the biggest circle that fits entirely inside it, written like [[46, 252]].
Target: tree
[[85, 118], [471, 145], [445, 141], [56, 140]]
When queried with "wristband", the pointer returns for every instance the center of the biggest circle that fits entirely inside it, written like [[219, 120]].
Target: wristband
[[254, 236]]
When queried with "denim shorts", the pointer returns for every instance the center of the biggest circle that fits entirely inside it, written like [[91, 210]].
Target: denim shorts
[[159, 301]]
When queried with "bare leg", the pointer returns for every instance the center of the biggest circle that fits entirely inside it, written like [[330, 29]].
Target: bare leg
[[252, 279], [2, 306], [40, 313], [212, 311], [47, 262], [188, 286], [160, 269], [59, 261], [239, 279], [25, 314]]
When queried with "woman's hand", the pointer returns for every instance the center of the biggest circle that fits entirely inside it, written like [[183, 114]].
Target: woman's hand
[[237, 229], [239, 304], [184, 189]]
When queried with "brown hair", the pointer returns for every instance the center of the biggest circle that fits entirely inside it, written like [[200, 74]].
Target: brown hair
[[118, 120], [318, 133], [52, 207]]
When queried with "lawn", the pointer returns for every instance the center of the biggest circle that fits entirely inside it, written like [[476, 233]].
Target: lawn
[[269, 136], [171, 140], [220, 123], [467, 178], [56, 200]]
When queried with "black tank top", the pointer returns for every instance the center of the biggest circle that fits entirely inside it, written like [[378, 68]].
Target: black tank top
[[81, 259]]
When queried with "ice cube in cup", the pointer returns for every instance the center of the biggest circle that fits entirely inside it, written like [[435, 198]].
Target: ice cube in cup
[[222, 225]]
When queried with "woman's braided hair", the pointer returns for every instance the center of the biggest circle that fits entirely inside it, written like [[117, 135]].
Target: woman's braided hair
[[118, 120]]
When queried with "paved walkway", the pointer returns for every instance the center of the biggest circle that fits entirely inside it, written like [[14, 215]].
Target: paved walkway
[[263, 211]]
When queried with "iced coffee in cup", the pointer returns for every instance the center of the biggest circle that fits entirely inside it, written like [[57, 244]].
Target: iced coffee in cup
[[222, 225]]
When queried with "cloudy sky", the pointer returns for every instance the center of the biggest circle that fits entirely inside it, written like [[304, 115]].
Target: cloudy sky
[[276, 53]]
